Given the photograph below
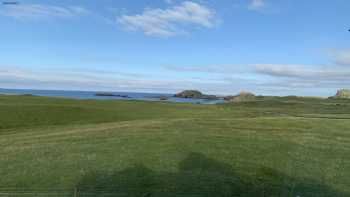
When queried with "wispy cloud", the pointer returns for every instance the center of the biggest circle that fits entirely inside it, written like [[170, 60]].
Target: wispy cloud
[[18, 77], [315, 78], [340, 56], [170, 21], [41, 11], [304, 72], [256, 4], [212, 69], [262, 79], [303, 79]]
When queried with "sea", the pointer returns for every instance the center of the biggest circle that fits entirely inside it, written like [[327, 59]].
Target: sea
[[83, 95]]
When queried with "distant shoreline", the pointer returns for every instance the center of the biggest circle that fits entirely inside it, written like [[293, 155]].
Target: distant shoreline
[[99, 95]]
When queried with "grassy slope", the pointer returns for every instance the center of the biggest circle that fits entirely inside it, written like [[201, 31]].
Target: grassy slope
[[273, 147]]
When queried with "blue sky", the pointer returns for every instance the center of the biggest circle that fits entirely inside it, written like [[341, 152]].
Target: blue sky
[[272, 47]]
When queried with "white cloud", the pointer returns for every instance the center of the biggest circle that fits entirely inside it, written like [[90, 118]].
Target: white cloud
[[39, 11], [256, 4], [169, 22], [17, 77], [303, 72], [211, 69], [295, 79], [268, 79]]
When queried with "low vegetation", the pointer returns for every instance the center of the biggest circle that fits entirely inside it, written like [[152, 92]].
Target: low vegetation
[[272, 146], [343, 94]]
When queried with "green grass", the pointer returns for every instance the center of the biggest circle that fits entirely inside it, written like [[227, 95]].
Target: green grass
[[270, 147]]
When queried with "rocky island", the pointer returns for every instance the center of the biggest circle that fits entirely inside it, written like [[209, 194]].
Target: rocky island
[[111, 94], [194, 94]]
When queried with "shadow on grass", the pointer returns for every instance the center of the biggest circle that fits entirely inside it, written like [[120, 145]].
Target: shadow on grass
[[199, 176]]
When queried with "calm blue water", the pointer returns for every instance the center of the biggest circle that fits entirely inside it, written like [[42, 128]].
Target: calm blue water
[[91, 95]]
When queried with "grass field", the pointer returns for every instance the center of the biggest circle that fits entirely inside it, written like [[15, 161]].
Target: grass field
[[271, 147]]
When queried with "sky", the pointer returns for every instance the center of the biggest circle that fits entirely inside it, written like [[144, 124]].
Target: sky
[[268, 47]]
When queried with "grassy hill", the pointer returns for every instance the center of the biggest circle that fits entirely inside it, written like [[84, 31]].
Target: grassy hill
[[273, 146]]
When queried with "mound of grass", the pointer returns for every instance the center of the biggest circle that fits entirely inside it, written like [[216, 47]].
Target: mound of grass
[[242, 97]]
